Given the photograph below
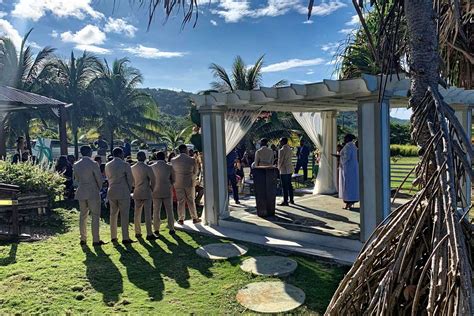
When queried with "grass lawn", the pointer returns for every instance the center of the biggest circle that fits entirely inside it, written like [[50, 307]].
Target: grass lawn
[[57, 276], [399, 168]]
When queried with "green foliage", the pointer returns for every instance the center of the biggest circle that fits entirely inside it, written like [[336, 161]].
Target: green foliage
[[32, 178], [169, 101], [399, 134], [404, 150]]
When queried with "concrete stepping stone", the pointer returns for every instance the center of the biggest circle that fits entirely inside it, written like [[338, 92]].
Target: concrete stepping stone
[[269, 266], [270, 297], [221, 251]]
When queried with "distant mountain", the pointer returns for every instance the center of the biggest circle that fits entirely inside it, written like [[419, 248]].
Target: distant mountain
[[170, 102], [396, 120]]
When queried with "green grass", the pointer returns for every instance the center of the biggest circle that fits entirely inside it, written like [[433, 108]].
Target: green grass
[[57, 276], [398, 171]]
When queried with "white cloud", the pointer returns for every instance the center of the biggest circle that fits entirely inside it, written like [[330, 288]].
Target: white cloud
[[35, 9], [353, 21], [292, 63], [213, 22], [89, 35], [310, 72], [54, 34], [330, 48], [34, 45], [325, 8], [3, 14], [7, 30], [308, 22], [120, 26], [235, 10], [93, 49], [151, 52], [346, 31]]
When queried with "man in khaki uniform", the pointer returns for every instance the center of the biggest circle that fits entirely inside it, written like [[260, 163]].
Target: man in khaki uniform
[[119, 175], [264, 156], [162, 192], [285, 166], [144, 182], [87, 175], [185, 169]]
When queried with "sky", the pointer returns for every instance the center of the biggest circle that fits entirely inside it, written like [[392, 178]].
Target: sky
[[296, 49]]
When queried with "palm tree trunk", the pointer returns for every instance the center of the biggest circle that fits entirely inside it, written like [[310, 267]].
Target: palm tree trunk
[[111, 141], [76, 142], [28, 136], [3, 137]]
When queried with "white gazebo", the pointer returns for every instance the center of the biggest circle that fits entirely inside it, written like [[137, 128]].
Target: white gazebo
[[326, 98]]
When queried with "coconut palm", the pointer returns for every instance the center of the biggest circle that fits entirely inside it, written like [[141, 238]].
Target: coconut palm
[[21, 69], [173, 138], [242, 78], [120, 107], [72, 78]]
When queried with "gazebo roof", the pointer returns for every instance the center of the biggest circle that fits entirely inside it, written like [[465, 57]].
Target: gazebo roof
[[342, 95], [12, 99]]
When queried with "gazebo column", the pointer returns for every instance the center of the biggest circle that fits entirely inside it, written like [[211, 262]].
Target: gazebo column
[[374, 164], [464, 116], [62, 130], [215, 171], [329, 128]]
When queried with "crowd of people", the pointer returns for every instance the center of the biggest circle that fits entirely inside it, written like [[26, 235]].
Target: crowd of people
[[149, 185]]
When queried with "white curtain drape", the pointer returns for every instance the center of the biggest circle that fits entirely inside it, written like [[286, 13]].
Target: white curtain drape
[[316, 129], [237, 123]]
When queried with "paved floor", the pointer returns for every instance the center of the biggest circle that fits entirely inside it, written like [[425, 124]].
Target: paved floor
[[319, 214]]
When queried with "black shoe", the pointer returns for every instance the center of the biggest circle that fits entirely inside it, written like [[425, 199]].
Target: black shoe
[[196, 220], [151, 237], [181, 222], [283, 204], [172, 232], [128, 241], [156, 232], [114, 240], [99, 243], [237, 202], [83, 243], [292, 202], [138, 236]]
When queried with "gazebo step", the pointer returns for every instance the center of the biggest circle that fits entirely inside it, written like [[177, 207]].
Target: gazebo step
[[291, 245]]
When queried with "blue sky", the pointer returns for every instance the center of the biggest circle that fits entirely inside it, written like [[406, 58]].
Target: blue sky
[[295, 49]]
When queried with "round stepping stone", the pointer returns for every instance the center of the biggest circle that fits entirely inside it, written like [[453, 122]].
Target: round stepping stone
[[269, 266], [270, 297], [221, 251]]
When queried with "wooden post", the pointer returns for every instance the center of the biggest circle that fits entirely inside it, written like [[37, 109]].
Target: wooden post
[[62, 130]]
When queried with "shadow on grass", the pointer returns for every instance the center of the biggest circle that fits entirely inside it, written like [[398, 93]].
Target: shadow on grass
[[140, 272], [11, 258], [103, 275]]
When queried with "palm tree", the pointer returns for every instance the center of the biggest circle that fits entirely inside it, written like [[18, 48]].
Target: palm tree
[[71, 85], [174, 138], [243, 77], [20, 69], [120, 107]]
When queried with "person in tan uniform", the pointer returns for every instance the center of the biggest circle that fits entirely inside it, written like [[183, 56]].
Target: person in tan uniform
[[144, 182], [285, 166], [264, 157], [162, 192], [119, 175], [87, 175], [185, 169]]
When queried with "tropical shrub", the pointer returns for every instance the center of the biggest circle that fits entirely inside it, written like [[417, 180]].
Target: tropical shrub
[[32, 178], [404, 150]]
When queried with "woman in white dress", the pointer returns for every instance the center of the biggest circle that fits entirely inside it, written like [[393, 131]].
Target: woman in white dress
[[349, 173]]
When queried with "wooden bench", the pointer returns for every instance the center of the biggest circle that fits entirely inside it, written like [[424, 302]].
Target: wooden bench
[[14, 204]]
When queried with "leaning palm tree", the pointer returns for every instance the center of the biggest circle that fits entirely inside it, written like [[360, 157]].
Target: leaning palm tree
[[242, 78], [70, 84], [119, 106], [21, 69]]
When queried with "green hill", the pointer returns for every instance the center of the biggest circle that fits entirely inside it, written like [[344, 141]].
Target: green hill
[[170, 102]]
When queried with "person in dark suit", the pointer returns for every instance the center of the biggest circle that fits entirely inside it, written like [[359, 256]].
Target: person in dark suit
[[231, 175], [302, 154]]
